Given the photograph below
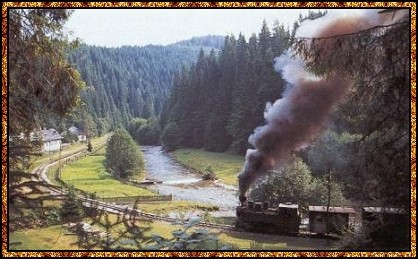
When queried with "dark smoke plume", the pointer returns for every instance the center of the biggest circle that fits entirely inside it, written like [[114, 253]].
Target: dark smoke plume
[[295, 120], [292, 122]]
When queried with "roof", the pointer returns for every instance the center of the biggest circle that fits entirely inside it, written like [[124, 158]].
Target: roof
[[74, 130], [332, 209], [50, 134], [287, 205], [384, 210]]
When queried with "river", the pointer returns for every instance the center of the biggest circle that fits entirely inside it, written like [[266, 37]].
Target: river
[[186, 185]]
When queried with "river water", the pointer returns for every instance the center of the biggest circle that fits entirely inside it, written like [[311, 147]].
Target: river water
[[186, 185]]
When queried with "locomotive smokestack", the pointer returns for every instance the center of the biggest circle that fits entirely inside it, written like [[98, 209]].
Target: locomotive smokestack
[[242, 199], [295, 120]]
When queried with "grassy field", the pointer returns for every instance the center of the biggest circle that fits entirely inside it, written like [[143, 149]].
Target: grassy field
[[89, 174], [250, 241], [243, 241], [58, 238], [225, 166], [76, 147], [49, 238]]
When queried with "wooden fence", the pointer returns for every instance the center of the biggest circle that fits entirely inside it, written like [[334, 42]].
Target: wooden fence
[[133, 199]]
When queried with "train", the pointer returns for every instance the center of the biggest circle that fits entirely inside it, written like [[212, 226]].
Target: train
[[321, 220]]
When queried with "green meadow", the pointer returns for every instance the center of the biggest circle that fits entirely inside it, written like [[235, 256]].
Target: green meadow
[[89, 174], [49, 238], [58, 237], [225, 166]]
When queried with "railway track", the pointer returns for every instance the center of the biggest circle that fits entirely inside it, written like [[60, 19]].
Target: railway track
[[40, 173]]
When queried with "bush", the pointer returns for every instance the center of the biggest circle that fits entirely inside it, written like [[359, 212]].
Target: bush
[[89, 146], [295, 183], [123, 156], [185, 239], [208, 174]]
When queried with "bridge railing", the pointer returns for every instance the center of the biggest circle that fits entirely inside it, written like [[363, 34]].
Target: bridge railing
[[133, 199]]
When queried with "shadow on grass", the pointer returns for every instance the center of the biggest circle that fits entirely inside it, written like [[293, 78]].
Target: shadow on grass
[[282, 241]]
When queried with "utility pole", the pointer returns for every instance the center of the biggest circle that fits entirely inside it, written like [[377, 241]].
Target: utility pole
[[329, 200], [59, 162]]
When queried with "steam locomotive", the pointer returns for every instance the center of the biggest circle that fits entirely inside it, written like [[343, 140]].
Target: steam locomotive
[[258, 217], [286, 218]]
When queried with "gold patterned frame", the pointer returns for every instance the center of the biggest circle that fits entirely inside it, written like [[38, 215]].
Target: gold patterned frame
[[4, 106]]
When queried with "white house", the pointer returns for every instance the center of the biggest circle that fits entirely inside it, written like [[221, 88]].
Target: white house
[[82, 137], [47, 139], [51, 140]]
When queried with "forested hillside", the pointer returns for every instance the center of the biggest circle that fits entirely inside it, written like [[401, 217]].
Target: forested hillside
[[211, 41], [218, 101], [130, 81]]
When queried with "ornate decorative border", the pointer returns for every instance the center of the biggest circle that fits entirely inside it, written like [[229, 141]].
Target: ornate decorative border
[[4, 103]]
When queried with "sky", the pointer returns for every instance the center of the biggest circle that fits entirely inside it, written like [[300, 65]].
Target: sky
[[140, 27]]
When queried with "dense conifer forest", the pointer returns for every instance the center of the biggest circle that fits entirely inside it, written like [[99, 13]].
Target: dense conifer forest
[[218, 101], [128, 82]]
